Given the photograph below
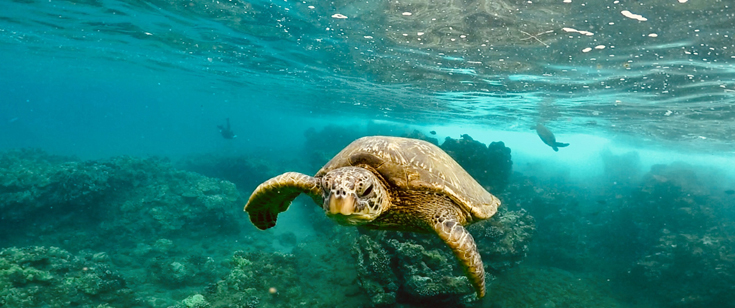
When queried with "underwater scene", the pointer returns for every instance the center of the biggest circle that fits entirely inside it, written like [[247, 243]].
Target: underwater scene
[[372, 153]]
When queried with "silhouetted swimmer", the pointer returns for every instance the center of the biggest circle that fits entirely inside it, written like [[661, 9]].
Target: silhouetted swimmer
[[730, 191], [548, 137], [433, 132], [226, 131]]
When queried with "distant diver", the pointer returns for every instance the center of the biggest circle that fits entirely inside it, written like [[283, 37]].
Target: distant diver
[[548, 137], [433, 132], [226, 131]]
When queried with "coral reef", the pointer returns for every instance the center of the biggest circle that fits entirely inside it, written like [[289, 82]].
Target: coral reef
[[621, 172], [243, 171], [404, 267], [667, 238], [549, 287], [136, 232], [155, 222], [490, 165], [38, 276], [559, 241], [33, 183], [691, 269], [315, 274], [178, 271], [689, 246], [503, 240], [118, 200]]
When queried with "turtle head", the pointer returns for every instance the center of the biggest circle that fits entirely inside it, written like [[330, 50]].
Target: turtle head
[[353, 196]]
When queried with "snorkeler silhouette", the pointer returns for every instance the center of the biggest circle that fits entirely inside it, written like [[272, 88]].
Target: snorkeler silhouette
[[226, 131], [548, 137]]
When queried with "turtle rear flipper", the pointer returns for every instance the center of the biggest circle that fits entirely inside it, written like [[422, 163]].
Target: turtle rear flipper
[[448, 226], [558, 145], [275, 195]]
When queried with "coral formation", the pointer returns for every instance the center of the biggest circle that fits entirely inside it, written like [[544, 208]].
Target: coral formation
[[243, 171], [550, 287], [178, 271], [124, 198], [33, 183], [149, 217], [664, 237], [38, 276], [143, 234], [316, 274], [404, 267], [195, 301], [503, 240], [689, 248], [490, 165]]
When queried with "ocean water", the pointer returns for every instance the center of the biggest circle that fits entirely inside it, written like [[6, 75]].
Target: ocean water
[[117, 189]]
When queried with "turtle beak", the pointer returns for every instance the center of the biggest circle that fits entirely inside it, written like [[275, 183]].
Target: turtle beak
[[344, 205]]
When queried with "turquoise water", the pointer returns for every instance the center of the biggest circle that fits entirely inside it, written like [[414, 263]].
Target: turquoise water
[[117, 189]]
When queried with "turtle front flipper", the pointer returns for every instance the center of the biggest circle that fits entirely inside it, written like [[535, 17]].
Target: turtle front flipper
[[463, 245], [275, 195]]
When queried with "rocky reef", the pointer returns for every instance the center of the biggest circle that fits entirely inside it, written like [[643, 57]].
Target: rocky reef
[[490, 165], [117, 200], [689, 239], [244, 171], [664, 237], [405, 267], [137, 232], [547, 287], [38, 276], [146, 218], [316, 273]]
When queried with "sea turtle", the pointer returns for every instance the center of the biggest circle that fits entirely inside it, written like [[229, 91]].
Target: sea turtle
[[389, 183]]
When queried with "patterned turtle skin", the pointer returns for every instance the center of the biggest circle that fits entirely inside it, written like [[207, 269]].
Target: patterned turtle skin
[[389, 183]]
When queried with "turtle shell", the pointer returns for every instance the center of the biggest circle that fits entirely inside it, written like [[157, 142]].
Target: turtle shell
[[417, 165]]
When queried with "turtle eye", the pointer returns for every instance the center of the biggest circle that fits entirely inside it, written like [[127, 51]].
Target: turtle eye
[[367, 190]]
